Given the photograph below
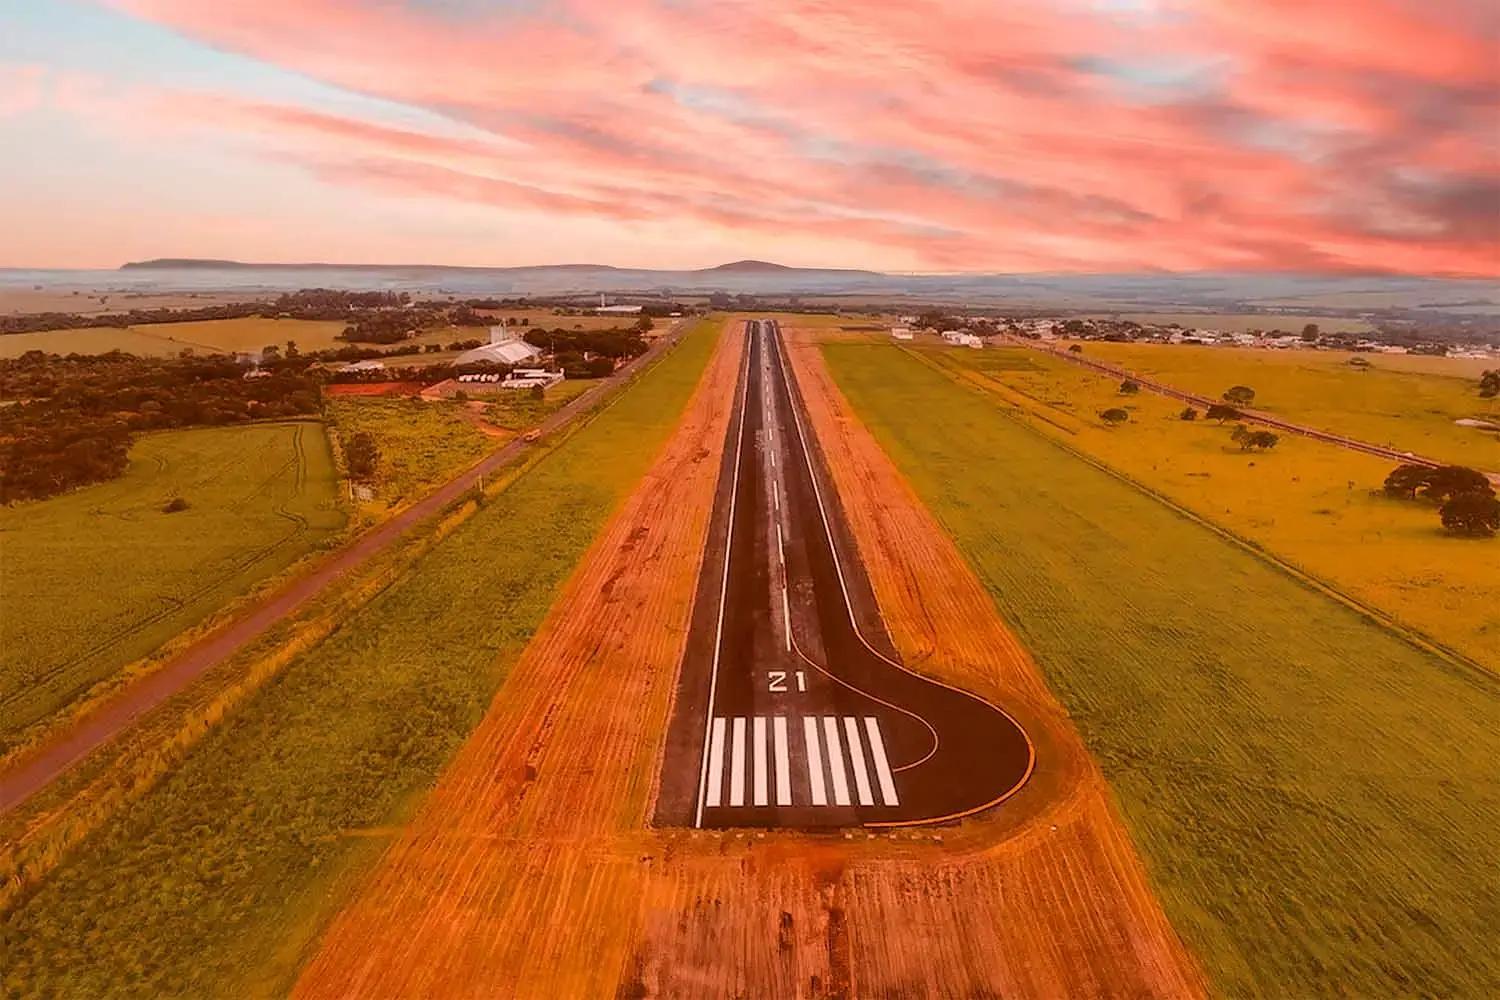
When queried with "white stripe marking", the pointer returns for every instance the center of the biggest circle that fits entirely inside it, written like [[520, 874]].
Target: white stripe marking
[[737, 764], [836, 761], [882, 766], [761, 797], [857, 762], [715, 764], [783, 762], [814, 762]]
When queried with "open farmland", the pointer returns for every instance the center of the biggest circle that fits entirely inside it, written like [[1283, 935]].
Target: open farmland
[[97, 578], [214, 882], [1308, 502], [1241, 322], [214, 336], [1316, 800], [1387, 404]]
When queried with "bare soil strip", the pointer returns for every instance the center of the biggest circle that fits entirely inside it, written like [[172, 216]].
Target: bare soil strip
[[531, 870]]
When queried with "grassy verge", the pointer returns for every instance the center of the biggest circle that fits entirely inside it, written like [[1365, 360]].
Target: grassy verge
[[1316, 800], [1309, 503], [96, 579], [215, 881]]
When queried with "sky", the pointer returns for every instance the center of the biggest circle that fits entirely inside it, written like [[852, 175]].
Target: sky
[[1314, 136]]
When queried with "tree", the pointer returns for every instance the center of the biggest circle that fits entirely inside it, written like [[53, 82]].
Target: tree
[[1472, 514], [1405, 480], [1221, 413], [291, 349], [1114, 417], [1129, 387], [1239, 395], [362, 455], [1310, 333], [644, 323], [1188, 413], [1489, 384], [1076, 348], [1264, 440], [271, 352], [1448, 481]]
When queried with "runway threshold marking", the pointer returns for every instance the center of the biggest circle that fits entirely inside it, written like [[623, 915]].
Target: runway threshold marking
[[753, 757]]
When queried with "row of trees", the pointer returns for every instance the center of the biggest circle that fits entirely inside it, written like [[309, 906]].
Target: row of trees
[[1464, 497], [76, 417]]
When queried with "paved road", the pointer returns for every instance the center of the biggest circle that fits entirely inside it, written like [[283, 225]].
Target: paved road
[[1254, 416], [794, 709], [36, 769]]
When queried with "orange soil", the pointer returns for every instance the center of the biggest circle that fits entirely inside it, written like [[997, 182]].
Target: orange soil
[[531, 871]]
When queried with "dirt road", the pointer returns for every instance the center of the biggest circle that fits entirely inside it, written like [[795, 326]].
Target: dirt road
[[33, 769], [532, 869]]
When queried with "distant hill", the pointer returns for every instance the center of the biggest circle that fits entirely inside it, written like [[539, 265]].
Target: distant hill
[[1288, 294]]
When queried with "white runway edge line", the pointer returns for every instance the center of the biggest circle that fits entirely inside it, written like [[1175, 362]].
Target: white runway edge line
[[713, 677]]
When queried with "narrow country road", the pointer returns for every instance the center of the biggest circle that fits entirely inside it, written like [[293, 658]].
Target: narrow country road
[[34, 769]]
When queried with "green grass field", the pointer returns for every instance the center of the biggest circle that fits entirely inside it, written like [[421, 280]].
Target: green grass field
[[95, 579], [422, 443], [1317, 802], [1309, 503], [215, 882]]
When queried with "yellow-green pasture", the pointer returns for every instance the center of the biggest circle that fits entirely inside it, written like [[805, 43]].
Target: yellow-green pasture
[[95, 579], [1308, 503], [1402, 402]]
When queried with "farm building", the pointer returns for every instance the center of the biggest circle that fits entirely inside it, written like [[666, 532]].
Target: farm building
[[901, 332], [962, 339], [369, 365], [526, 378], [504, 348]]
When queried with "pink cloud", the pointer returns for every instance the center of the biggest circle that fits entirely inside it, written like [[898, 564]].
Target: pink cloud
[[1255, 134]]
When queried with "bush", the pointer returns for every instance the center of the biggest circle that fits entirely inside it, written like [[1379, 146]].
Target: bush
[[1188, 413], [174, 505], [1114, 417]]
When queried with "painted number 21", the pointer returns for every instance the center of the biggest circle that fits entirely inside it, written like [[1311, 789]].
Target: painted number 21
[[778, 681]]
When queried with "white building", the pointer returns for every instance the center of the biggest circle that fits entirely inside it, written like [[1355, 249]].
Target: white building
[[369, 365], [961, 339], [526, 378], [901, 332], [504, 348]]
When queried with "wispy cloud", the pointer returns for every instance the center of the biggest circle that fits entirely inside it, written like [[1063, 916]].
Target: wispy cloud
[[1076, 135]]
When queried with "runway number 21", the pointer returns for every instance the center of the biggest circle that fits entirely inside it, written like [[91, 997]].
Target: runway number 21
[[778, 681]]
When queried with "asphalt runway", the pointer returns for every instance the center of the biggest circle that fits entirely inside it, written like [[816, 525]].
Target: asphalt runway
[[794, 710]]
